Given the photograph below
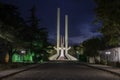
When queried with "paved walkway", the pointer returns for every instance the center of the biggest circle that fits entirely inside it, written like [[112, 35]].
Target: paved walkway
[[63, 71], [110, 69], [10, 72]]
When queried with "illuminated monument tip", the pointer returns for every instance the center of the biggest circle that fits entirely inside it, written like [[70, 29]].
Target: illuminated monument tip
[[62, 42]]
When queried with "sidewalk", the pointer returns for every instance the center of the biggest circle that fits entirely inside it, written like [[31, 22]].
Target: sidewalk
[[10, 72], [113, 70]]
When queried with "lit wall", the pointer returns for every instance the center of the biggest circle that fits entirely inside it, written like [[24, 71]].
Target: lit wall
[[112, 55]]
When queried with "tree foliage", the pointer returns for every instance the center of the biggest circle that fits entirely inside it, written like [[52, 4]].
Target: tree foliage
[[19, 34], [108, 12], [91, 46], [11, 23], [38, 35]]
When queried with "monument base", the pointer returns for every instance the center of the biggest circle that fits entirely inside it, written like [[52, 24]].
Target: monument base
[[66, 57]]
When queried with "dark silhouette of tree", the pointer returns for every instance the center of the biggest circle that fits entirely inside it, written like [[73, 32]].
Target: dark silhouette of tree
[[92, 46], [10, 19], [16, 33], [38, 36], [108, 13], [11, 24]]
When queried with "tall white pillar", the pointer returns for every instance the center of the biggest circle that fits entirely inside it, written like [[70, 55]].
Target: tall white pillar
[[58, 30], [61, 41], [66, 33]]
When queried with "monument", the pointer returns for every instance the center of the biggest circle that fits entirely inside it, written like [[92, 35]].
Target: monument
[[62, 42]]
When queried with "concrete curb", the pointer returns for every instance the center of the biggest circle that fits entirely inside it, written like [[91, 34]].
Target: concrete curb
[[100, 68], [11, 72]]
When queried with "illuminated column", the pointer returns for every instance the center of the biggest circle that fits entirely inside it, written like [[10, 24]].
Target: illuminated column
[[63, 41], [66, 34], [58, 30]]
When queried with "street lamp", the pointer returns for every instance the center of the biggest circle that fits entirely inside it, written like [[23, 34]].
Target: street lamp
[[21, 56], [107, 55], [23, 51]]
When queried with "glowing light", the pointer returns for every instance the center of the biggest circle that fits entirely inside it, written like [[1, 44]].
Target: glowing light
[[23, 51], [107, 53]]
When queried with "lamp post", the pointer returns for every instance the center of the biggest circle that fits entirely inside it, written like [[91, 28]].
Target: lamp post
[[107, 55], [22, 55]]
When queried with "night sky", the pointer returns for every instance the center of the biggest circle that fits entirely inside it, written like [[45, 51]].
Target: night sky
[[81, 16]]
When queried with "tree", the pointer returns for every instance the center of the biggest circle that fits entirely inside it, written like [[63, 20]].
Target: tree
[[108, 13], [38, 36], [72, 51], [92, 46], [79, 48], [10, 26], [16, 33], [10, 19], [79, 52]]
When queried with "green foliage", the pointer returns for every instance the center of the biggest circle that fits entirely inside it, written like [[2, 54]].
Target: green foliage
[[79, 49], [108, 12], [19, 34], [91, 47], [11, 22], [82, 58], [39, 37]]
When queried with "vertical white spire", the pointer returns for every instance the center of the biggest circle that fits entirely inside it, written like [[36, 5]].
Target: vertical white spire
[[58, 27], [66, 31], [63, 41]]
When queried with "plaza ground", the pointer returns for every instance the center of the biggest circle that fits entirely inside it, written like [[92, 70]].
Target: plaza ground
[[63, 71]]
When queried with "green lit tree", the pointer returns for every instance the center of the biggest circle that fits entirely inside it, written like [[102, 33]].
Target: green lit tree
[[16, 33], [38, 36]]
